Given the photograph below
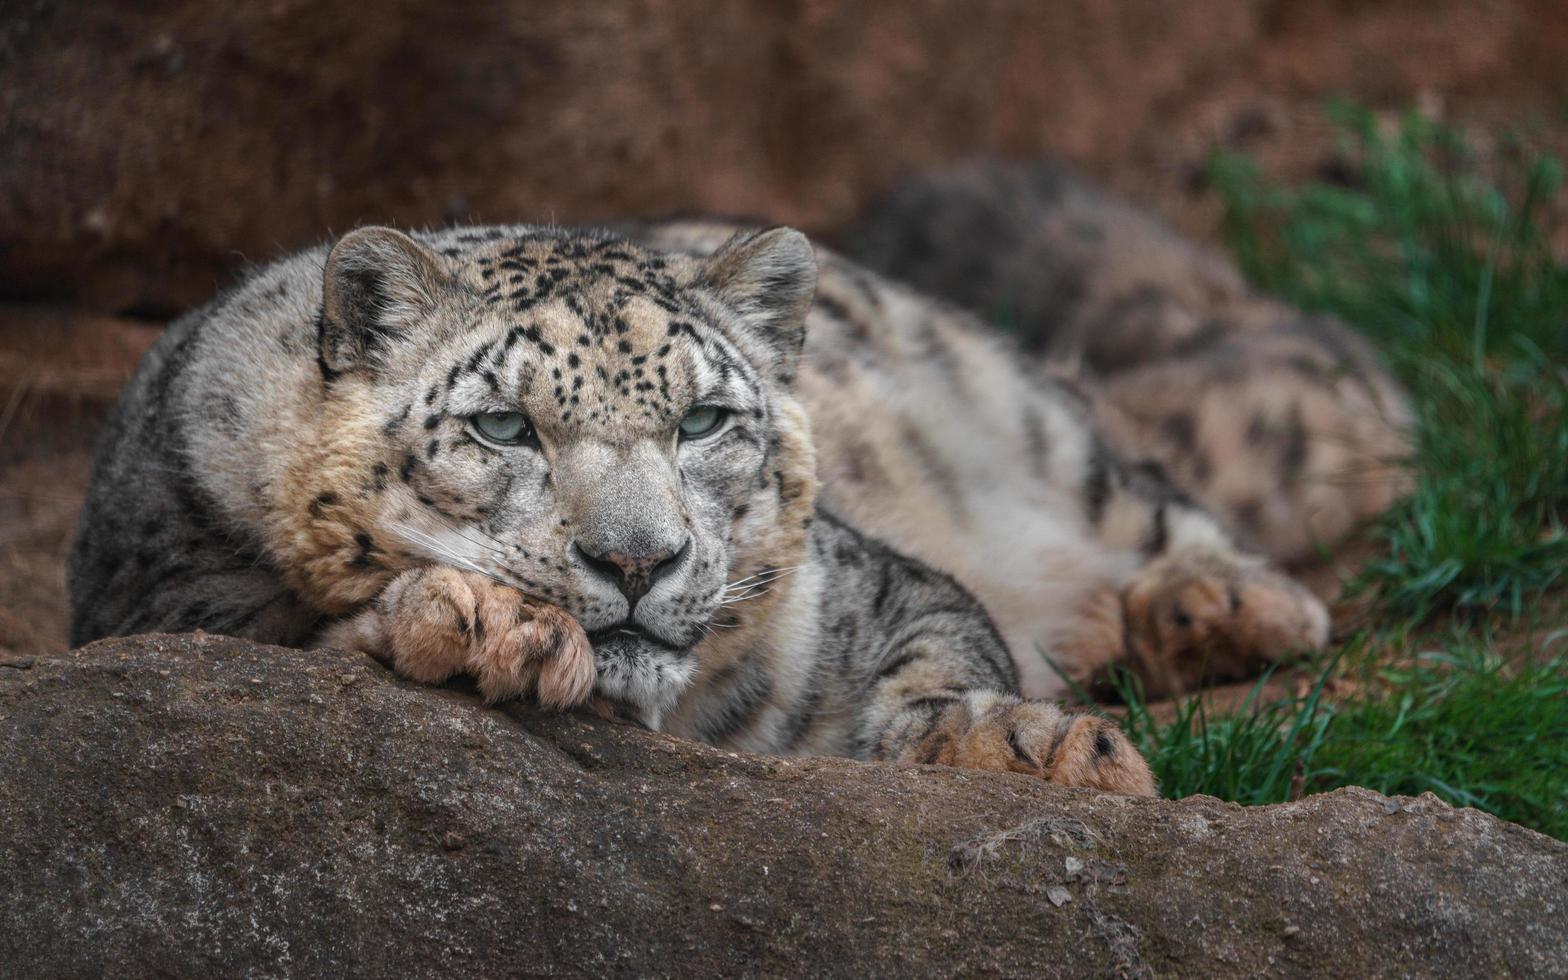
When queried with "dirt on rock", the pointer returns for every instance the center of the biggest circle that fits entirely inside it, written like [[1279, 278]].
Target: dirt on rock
[[196, 805]]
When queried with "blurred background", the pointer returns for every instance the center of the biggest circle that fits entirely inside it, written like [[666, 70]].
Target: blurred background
[[150, 150]]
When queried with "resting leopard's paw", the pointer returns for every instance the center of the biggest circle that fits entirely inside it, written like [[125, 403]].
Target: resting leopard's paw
[[1198, 616], [434, 622], [985, 731]]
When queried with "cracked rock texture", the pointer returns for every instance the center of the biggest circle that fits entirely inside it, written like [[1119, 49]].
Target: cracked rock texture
[[193, 806]]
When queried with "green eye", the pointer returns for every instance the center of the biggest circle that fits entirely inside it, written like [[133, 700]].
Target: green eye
[[702, 421], [506, 428]]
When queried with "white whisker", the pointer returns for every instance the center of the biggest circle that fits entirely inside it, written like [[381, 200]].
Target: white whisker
[[748, 588], [753, 593], [767, 573], [457, 529], [432, 548]]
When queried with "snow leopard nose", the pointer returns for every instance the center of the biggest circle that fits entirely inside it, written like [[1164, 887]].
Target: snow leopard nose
[[633, 574]]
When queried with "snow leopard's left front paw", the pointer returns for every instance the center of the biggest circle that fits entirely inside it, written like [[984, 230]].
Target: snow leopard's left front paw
[[1038, 738]]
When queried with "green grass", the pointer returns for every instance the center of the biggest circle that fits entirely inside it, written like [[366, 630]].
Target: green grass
[[1460, 723], [1483, 531], [1425, 255], [1465, 725], [1446, 266], [1259, 753]]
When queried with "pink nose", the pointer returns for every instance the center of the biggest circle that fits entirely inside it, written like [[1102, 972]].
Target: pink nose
[[633, 574]]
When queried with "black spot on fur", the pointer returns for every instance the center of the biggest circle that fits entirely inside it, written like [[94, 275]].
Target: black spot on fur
[[1097, 484], [1293, 453], [321, 502], [1104, 745], [396, 421], [1018, 749], [933, 752], [1200, 466], [898, 663], [367, 549], [1159, 533], [1181, 430], [1035, 441]]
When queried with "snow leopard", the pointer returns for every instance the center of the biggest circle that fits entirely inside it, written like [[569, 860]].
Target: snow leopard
[[710, 478]]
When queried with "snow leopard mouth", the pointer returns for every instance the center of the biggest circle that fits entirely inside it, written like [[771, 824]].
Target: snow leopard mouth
[[644, 673], [628, 638]]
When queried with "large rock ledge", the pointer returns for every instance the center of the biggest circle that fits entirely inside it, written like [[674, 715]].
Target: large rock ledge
[[202, 806]]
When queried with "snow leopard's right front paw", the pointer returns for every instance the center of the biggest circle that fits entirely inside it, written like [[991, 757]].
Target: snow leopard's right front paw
[[431, 623], [998, 731]]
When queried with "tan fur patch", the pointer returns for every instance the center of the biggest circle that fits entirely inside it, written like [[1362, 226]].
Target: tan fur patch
[[320, 508]]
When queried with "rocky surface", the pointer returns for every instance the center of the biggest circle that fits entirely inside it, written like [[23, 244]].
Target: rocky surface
[[149, 150], [202, 806], [60, 371]]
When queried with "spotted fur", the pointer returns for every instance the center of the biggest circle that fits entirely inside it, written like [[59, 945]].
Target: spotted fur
[[299, 463]]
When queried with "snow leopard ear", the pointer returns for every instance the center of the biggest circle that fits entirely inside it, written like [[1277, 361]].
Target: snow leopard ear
[[377, 286], [769, 278]]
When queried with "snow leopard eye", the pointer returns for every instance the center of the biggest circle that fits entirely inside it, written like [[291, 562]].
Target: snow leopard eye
[[702, 421], [505, 428]]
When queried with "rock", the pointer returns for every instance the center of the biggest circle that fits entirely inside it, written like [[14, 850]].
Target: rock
[[151, 149], [60, 372], [163, 813]]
